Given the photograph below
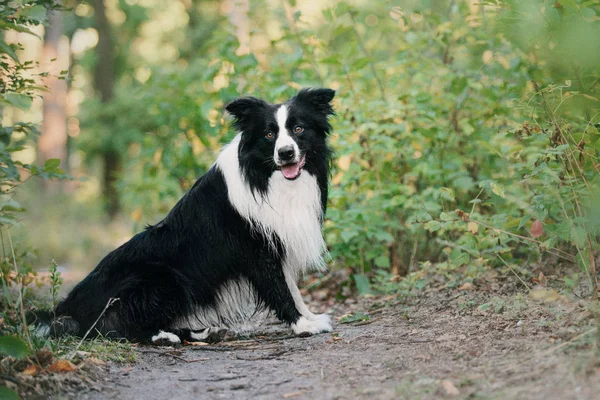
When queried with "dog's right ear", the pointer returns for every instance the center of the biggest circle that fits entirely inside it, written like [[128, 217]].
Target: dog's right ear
[[244, 106]]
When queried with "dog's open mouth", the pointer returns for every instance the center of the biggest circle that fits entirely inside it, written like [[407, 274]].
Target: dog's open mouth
[[292, 171]]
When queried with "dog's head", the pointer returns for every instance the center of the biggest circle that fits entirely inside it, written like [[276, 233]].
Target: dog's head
[[288, 137]]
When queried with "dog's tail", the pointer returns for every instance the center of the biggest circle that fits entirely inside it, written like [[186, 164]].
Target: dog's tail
[[44, 323]]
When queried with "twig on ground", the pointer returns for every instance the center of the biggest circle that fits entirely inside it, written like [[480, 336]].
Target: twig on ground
[[225, 378], [110, 302], [514, 272], [272, 339], [265, 357], [15, 381], [166, 353], [294, 394], [10, 379], [229, 348]]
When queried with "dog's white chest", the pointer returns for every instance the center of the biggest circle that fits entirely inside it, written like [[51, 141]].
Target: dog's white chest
[[291, 209]]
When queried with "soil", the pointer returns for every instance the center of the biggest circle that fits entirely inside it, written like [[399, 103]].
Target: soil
[[446, 343]]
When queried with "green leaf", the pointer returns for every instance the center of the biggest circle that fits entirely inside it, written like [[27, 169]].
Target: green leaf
[[18, 100], [458, 257], [572, 4], [51, 164], [448, 194], [8, 394], [523, 221], [7, 49], [382, 262], [13, 346], [497, 189], [356, 317], [444, 216], [360, 63], [578, 236], [348, 235], [433, 226], [19, 28], [36, 13], [362, 284]]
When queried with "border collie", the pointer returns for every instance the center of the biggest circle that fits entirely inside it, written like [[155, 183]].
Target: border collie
[[234, 245]]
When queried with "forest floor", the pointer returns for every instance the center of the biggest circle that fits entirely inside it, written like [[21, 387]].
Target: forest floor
[[492, 342]]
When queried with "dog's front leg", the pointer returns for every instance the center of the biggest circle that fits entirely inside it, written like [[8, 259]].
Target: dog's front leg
[[290, 280], [283, 296]]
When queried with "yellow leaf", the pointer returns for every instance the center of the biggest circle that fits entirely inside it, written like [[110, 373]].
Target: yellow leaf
[[136, 215], [62, 366], [31, 370], [473, 227], [344, 162], [546, 295], [337, 179]]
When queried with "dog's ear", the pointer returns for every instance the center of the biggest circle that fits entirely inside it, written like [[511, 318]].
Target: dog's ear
[[244, 106], [317, 99]]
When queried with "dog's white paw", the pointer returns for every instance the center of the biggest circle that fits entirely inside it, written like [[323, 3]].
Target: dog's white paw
[[165, 339], [321, 324], [325, 318]]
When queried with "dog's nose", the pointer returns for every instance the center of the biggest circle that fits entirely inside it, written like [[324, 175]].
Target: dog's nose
[[286, 153]]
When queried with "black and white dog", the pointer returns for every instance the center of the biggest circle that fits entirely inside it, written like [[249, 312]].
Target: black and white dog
[[235, 244]]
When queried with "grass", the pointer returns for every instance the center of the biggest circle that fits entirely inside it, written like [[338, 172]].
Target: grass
[[102, 348]]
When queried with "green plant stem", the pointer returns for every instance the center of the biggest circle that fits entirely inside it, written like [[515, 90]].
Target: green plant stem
[[110, 302], [514, 272], [21, 288]]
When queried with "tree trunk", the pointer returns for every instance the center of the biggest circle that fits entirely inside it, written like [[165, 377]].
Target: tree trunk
[[52, 142], [237, 12], [104, 81]]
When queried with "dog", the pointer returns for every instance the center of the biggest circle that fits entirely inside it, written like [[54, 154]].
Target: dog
[[234, 245]]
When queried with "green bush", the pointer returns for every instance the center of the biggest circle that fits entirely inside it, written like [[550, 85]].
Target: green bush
[[459, 126]]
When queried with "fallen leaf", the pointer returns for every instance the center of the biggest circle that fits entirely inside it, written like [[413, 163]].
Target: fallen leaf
[[94, 360], [537, 229], [450, 389], [541, 279], [466, 286], [546, 295], [62, 366], [31, 370], [198, 343], [473, 227]]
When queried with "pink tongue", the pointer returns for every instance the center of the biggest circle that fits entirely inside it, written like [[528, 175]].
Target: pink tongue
[[291, 171]]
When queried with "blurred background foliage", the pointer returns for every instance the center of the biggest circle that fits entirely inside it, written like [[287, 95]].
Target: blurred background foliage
[[466, 136]]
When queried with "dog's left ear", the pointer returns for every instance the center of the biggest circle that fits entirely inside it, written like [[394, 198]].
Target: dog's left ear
[[318, 99], [244, 106]]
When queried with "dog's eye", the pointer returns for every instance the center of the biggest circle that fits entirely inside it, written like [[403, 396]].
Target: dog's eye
[[269, 135], [298, 129]]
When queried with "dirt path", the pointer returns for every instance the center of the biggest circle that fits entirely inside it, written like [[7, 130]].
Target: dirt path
[[443, 345]]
